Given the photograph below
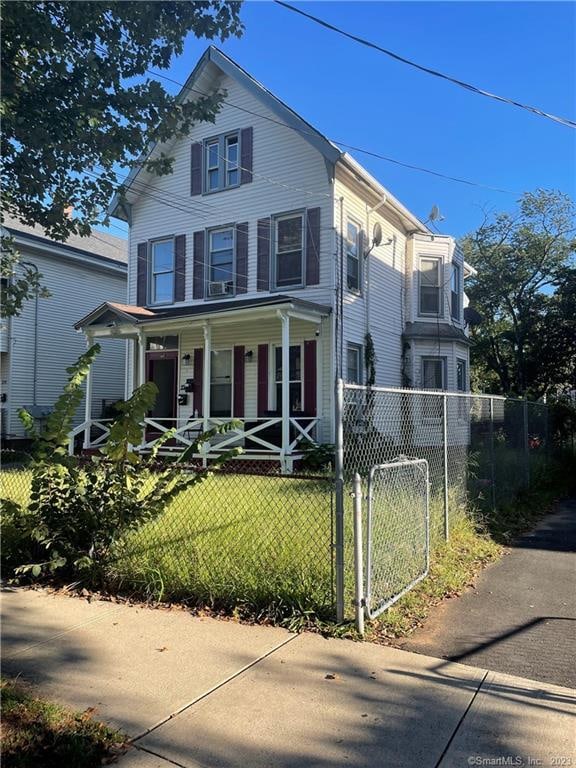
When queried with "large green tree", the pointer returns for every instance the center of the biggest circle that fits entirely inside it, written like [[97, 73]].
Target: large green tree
[[526, 342], [78, 101]]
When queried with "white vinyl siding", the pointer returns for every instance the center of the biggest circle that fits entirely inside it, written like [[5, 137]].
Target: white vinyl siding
[[285, 157], [75, 290]]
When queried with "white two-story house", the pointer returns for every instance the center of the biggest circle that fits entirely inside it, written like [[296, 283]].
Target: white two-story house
[[258, 267]]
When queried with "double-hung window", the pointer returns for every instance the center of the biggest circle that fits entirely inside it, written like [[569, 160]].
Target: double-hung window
[[353, 256], [455, 291], [461, 387], [430, 286], [162, 272], [294, 377], [433, 377], [288, 250], [222, 154], [354, 364], [221, 261]]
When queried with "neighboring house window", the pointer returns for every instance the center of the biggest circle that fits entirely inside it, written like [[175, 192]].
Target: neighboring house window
[[221, 161], [455, 291], [221, 262], [353, 256], [433, 377], [354, 364], [288, 250], [430, 286], [294, 376], [162, 272]]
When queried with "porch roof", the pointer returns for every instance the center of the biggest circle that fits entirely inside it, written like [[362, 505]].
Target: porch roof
[[142, 316]]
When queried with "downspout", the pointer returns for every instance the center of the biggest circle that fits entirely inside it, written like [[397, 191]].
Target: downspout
[[35, 363]]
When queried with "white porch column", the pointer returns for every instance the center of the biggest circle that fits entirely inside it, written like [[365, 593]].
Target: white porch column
[[88, 400], [141, 358], [285, 317], [206, 376]]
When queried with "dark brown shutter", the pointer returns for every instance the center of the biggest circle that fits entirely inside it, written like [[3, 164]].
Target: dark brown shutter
[[196, 169], [180, 267], [239, 362], [142, 275], [263, 251], [246, 143], [262, 379], [242, 258], [310, 377], [198, 379], [313, 246], [198, 270]]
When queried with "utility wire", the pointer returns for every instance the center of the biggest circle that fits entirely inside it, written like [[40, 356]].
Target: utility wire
[[474, 89]]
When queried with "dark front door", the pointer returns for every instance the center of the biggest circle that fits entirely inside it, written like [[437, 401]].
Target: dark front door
[[162, 370]]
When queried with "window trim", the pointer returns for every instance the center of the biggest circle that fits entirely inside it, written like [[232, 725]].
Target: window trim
[[207, 281], [465, 364], [358, 348], [456, 267], [151, 273], [439, 260], [222, 139], [353, 221], [272, 397], [435, 358], [273, 255]]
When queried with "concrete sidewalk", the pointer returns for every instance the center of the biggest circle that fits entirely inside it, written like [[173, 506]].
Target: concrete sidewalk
[[199, 692]]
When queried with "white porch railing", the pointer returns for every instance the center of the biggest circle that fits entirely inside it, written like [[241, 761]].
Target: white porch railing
[[259, 437]]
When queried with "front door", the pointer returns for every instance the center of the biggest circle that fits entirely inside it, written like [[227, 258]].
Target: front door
[[163, 371]]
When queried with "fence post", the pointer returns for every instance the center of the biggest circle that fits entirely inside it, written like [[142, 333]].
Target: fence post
[[358, 559], [339, 509], [492, 461], [526, 442], [445, 446]]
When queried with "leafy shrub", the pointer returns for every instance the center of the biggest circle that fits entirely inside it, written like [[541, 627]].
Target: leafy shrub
[[78, 512]]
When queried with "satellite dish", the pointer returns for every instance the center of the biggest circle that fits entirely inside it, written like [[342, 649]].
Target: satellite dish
[[435, 214], [377, 234]]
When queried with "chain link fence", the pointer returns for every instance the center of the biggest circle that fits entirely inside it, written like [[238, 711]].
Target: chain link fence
[[481, 451]]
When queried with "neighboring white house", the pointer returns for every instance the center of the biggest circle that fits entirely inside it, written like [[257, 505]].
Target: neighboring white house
[[37, 346], [254, 278]]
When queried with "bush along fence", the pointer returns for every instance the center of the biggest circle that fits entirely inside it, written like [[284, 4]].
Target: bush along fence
[[265, 545]]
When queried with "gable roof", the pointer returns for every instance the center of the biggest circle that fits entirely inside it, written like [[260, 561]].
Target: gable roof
[[99, 244], [286, 116]]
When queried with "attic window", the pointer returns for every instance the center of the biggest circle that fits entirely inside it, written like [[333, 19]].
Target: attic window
[[221, 161]]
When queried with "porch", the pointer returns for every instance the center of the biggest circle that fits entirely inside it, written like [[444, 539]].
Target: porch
[[261, 366]]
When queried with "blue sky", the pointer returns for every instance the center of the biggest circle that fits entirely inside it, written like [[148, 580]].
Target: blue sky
[[521, 50]]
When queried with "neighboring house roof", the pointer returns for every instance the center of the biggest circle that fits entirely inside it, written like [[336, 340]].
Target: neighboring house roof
[[140, 315], [440, 331], [286, 115], [98, 245]]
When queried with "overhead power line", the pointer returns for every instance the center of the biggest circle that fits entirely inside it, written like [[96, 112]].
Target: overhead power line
[[474, 89]]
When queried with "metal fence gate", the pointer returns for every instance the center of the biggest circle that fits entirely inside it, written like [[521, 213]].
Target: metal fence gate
[[392, 544]]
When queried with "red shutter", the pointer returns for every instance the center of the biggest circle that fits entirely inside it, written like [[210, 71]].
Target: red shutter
[[310, 377], [238, 409], [242, 258], [142, 275], [245, 155], [313, 246], [180, 267], [196, 169], [198, 379], [262, 379], [263, 251], [198, 269]]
